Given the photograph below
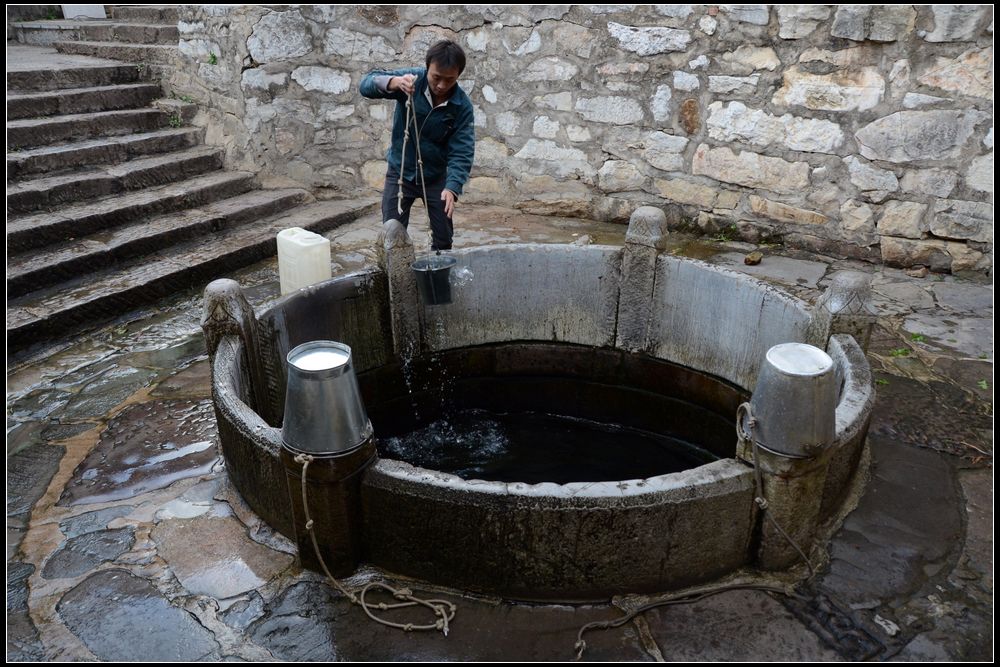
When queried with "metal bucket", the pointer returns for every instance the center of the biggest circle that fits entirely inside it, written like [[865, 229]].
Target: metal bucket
[[795, 401], [323, 409], [434, 278]]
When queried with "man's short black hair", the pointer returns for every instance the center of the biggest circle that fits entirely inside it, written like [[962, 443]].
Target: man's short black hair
[[447, 54]]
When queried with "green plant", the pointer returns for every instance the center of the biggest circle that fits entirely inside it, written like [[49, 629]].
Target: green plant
[[900, 352], [186, 98], [984, 356], [983, 384], [881, 381], [140, 68], [213, 59], [917, 338], [175, 120], [51, 15], [730, 233]]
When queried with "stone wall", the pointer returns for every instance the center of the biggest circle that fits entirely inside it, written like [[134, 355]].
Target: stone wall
[[861, 131]]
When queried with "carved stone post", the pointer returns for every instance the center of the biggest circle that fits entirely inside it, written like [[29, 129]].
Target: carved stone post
[[226, 312], [845, 308], [404, 300], [646, 237]]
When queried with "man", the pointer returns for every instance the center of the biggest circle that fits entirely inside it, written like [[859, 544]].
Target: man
[[444, 123]]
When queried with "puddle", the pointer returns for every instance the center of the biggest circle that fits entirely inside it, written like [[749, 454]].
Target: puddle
[[147, 446]]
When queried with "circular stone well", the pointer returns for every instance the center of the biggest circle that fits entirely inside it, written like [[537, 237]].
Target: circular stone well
[[660, 344]]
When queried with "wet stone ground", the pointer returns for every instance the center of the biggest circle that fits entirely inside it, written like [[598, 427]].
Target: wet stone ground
[[126, 542]]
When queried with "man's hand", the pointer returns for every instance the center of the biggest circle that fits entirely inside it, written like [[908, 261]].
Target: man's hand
[[403, 83], [448, 197]]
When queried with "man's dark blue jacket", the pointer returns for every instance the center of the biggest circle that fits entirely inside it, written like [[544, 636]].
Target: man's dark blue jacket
[[447, 133]]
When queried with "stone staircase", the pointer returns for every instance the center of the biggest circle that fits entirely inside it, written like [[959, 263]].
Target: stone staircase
[[113, 201], [145, 34]]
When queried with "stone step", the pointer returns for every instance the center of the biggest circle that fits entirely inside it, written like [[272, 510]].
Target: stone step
[[72, 77], [36, 132], [88, 300], [129, 53], [79, 220], [145, 13], [90, 184], [104, 150], [46, 33], [130, 33], [41, 268], [81, 100]]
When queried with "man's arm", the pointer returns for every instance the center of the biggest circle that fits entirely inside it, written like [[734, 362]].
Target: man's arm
[[461, 151], [375, 85]]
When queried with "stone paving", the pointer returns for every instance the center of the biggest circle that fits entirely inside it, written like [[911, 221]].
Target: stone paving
[[125, 541]]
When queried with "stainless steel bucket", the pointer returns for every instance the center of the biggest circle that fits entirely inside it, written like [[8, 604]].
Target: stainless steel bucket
[[323, 409], [434, 278], [795, 400]]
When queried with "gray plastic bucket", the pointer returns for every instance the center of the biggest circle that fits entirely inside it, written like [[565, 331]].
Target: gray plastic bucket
[[434, 278]]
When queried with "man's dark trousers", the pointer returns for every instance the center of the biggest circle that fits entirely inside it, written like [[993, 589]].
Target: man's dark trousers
[[442, 229]]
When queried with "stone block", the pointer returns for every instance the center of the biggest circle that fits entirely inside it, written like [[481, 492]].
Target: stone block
[[739, 85], [649, 41], [322, 79], [877, 23], [785, 213], [907, 136], [979, 176], [746, 59], [279, 36], [749, 318], [550, 69], [869, 177], [903, 218], [965, 220], [557, 101], [798, 21], [508, 307], [753, 14], [686, 192], [610, 109], [736, 122], [936, 254], [618, 176], [969, 74], [664, 151], [956, 23], [934, 182], [751, 170], [855, 89]]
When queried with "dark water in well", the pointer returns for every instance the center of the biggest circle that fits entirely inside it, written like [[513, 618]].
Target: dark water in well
[[534, 447]]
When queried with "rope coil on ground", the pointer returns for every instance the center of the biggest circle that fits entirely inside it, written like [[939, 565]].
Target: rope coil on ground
[[443, 609]]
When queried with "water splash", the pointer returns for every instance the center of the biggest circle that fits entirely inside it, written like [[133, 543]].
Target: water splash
[[471, 437], [461, 276], [537, 447], [408, 378]]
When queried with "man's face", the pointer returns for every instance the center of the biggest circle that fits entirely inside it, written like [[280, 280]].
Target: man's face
[[441, 79]]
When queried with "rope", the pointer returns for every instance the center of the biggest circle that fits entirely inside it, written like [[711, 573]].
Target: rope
[[686, 598], [443, 609], [411, 114]]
